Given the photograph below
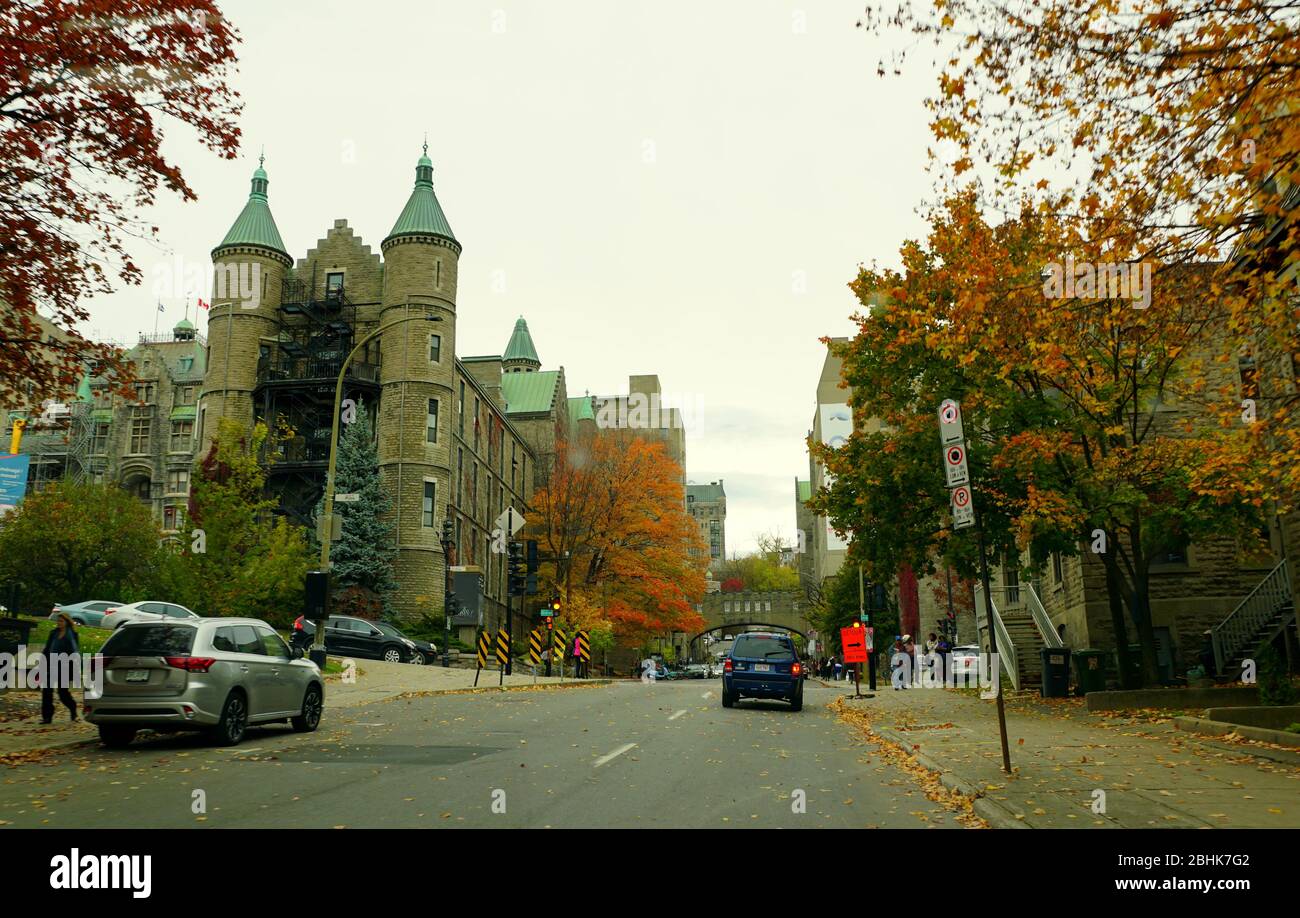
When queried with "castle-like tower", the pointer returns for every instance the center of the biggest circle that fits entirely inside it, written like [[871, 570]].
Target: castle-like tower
[[248, 273], [417, 377]]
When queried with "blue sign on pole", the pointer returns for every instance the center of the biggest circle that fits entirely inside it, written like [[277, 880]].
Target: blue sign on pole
[[13, 480]]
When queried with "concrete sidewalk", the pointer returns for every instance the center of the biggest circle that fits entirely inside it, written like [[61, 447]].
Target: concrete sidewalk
[[1075, 769], [22, 734]]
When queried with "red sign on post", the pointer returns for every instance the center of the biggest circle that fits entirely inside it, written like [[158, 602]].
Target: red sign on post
[[854, 642]]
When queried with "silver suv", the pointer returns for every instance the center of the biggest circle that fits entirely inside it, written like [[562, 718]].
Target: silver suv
[[215, 674]]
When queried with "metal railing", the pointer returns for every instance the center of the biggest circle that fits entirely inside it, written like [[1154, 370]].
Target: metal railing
[[305, 368], [1042, 620], [1006, 646], [1241, 629]]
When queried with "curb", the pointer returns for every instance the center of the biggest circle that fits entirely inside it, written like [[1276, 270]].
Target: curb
[[993, 812]]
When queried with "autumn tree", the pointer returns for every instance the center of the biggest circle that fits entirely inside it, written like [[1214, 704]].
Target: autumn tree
[[1072, 412], [236, 557], [72, 541], [613, 514], [1161, 132], [87, 91]]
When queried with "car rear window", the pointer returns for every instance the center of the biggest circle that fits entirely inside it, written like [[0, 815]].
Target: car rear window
[[150, 639], [763, 647]]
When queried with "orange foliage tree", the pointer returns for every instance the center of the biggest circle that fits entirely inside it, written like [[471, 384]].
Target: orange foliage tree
[[613, 515]]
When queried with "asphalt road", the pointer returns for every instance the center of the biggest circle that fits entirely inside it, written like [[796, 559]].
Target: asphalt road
[[623, 755]]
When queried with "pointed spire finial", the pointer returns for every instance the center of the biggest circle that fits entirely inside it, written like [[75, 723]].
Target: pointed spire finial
[[426, 143], [261, 157]]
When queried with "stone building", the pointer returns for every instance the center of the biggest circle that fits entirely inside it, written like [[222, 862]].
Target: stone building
[[707, 505], [645, 411], [279, 330]]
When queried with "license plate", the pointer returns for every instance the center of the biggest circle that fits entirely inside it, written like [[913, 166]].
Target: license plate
[[762, 667], [137, 675]]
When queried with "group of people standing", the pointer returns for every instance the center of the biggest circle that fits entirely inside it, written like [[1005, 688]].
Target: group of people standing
[[932, 660]]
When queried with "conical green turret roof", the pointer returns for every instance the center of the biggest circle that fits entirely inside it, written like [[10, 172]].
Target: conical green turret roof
[[255, 225], [422, 215], [521, 345]]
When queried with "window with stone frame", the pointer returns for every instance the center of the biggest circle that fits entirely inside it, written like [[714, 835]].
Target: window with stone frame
[[1175, 554], [431, 422], [139, 435], [99, 439], [173, 517], [460, 410], [435, 349], [430, 495], [460, 480], [185, 395], [145, 392], [178, 481], [182, 436]]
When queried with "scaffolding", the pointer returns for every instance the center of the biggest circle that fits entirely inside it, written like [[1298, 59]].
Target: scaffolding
[[58, 443]]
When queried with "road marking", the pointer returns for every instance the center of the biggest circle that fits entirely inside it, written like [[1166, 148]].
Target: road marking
[[707, 695], [678, 714], [613, 755]]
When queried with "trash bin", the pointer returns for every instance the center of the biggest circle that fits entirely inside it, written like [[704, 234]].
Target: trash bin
[[1090, 670], [1056, 672], [14, 631]]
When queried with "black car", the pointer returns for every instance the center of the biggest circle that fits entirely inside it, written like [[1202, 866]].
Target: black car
[[346, 636]]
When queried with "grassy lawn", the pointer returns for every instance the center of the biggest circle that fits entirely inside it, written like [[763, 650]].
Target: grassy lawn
[[91, 639]]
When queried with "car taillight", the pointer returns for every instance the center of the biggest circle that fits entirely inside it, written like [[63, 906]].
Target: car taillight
[[796, 669], [727, 666], [191, 664], [110, 612]]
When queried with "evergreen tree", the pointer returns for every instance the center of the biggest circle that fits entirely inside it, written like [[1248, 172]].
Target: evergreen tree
[[361, 561]]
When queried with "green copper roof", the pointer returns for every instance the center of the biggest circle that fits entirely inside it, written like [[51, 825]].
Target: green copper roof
[[183, 325], [580, 409], [255, 225], [526, 393], [521, 345], [102, 415], [182, 413], [423, 214], [83, 390]]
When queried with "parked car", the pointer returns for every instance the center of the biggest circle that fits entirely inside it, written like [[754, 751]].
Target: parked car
[[697, 671], [346, 636], [91, 612], [218, 675], [149, 611], [763, 665], [966, 660]]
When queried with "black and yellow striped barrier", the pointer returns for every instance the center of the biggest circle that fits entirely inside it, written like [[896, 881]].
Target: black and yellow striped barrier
[[535, 652], [558, 639], [584, 646], [503, 647], [484, 647]]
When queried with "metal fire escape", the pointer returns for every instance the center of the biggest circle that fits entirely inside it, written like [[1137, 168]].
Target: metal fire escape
[[295, 387]]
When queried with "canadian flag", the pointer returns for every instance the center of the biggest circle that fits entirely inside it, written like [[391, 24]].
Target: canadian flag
[[204, 304]]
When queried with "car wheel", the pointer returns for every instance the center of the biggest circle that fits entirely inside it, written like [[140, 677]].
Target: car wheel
[[312, 706], [417, 657], [727, 700], [796, 703], [392, 654], [116, 736], [234, 720]]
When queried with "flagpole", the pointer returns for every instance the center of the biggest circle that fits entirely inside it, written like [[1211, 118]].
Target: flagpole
[[155, 319]]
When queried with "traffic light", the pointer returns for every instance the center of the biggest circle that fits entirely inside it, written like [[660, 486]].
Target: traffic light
[[517, 582], [551, 609], [448, 532]]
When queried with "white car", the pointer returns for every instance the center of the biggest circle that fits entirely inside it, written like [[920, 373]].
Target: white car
[[148, 611], [966, 660]]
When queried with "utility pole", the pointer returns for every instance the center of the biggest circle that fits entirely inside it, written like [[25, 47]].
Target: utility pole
[[993, 642]]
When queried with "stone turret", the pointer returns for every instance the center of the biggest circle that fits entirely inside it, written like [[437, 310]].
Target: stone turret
[[248, 271], [420, 262]]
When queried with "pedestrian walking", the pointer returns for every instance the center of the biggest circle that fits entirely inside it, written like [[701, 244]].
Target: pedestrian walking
[[837, 667], [62, 644], [899, 668]]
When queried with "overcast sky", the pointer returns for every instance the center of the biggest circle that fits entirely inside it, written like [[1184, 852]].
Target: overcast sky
[[679, 188]]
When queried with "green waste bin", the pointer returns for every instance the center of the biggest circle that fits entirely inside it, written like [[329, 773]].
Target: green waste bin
[[1056, 672], [1090, 670]]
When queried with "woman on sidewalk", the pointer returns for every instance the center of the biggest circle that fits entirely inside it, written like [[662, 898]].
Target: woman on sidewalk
[[62, 644]]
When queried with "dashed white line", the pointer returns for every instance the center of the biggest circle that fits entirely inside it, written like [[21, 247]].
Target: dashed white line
[[678, 714], [615, 754]]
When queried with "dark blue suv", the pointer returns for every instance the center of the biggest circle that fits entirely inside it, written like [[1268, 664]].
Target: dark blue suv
[[762, 665]]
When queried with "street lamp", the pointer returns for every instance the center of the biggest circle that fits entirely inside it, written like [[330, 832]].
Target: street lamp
[[327, 515], [448, 546]]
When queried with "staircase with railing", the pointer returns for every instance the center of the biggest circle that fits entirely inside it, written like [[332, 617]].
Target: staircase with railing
[[1258, 619], [1008, 653]]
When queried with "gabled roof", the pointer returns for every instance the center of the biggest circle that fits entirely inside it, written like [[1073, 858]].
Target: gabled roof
[[255, 225], [521, 345], [529, 393], [580, 409], [422, 215]]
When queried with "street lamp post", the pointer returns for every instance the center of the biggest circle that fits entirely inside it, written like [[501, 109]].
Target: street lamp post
[[448, 546], [327, 515]]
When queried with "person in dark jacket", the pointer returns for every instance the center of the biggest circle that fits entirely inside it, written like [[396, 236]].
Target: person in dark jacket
[[62, 641]]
